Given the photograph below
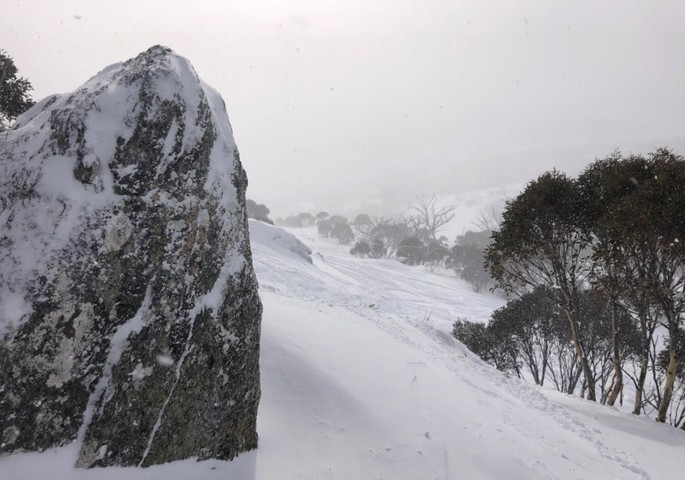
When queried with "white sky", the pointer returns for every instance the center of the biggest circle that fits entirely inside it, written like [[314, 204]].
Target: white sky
[[334, 102]]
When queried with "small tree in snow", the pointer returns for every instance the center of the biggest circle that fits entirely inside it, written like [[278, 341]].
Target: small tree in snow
[[258, 211], [14, 91]]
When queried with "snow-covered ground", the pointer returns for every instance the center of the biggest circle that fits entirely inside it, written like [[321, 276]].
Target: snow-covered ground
[[362, 380]]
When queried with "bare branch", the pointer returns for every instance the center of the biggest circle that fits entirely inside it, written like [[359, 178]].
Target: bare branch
[[488, 219], [429, 218]]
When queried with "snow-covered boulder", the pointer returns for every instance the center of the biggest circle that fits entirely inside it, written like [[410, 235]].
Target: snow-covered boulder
[[129, 312]]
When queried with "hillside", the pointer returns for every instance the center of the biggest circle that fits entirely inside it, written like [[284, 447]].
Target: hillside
[[361, 379]]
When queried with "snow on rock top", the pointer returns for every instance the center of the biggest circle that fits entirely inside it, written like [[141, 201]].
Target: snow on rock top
[[124, 239], [71, 156]]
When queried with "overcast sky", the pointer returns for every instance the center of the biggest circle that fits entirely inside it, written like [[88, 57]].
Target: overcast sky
[[336, 102]]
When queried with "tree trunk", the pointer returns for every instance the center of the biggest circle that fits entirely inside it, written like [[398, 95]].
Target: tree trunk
[[590, 382], [647, 326], [618, 373], [668, 386], [545, 357], [640, 387]]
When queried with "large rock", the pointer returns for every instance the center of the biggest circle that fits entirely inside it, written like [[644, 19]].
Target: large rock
[[129, 313]]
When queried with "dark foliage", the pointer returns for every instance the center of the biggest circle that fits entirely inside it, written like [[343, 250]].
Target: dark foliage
[[361, 249], [467, 259], [258, 211], [411, 251], [14, 91]]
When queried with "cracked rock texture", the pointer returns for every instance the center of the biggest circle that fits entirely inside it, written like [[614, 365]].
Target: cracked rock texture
[[129, 312]]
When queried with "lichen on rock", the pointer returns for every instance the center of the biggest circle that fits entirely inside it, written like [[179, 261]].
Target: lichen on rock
[[129, 312]]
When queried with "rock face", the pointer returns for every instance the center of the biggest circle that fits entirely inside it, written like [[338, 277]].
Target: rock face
[[129, 312]]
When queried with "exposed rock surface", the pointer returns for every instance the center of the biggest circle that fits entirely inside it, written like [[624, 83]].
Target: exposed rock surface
[[129, 313]]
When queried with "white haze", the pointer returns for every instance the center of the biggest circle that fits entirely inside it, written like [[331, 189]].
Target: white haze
[[337, 103]]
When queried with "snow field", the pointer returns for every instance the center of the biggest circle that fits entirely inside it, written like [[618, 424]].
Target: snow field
[[361, 379]]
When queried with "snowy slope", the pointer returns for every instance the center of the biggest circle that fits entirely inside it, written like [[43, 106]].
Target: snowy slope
[[361, 380]]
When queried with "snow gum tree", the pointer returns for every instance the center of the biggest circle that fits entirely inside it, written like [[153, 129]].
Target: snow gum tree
[[543, 243], [663, 202], [258, 211], [636, 207], [427, 217], [625, 253], [466, 259], [604, 186], [617, 231], [530, 323]]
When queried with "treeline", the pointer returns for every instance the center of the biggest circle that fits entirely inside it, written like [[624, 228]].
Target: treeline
[[414, 239], [596, 265]]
